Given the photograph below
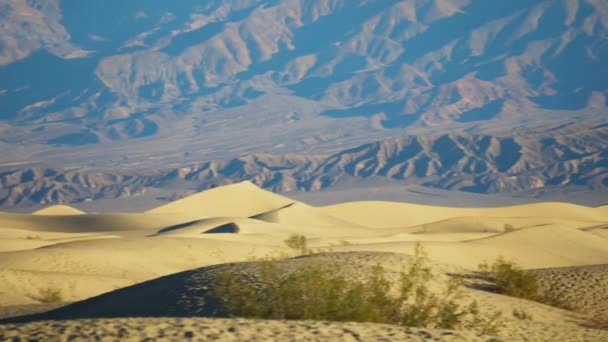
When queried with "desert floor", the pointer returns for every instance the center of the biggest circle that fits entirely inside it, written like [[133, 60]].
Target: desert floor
[[152, 264]]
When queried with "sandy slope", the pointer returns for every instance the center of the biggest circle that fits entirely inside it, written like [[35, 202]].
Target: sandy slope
[[601, 231], [584, 286], [205, 329], [85, 268], [389, 214], [92, 223], [302, 214], [83, 255], [186, 294]]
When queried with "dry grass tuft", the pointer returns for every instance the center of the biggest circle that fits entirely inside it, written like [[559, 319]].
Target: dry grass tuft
[[48, 295]]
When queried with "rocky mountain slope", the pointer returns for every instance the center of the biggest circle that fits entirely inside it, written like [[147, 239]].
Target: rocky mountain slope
[[91, 92], [125, 71], [472, 163]]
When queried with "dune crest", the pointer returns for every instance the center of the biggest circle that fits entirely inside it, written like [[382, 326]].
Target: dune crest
[[391, 214], [301, 214], [59, 210], [242, 199]]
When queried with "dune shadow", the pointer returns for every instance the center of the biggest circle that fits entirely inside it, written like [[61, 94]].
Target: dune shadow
[[189, 293], [177, 227], [477, 281], [228, 228], [270, 216], [184, 294]]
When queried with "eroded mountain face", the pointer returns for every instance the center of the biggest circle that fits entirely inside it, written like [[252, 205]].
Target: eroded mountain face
[[163, 84], [124, 67], [471, 163]]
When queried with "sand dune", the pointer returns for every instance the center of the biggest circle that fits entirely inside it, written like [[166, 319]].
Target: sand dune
[[551, 246], [481, 224], [126, 260], [186, 295], [89, 223], [293, 218], [389, 214], [240, 200], [469, 255], [84, 255], [245, 226], [11, 245], [59, 210], [537, 247], [183, 294], [601, 232], [34, 240], [301, 214], [211, 225]]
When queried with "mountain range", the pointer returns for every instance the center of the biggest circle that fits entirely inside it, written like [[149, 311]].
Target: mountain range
[[470, 163], [105, 99]]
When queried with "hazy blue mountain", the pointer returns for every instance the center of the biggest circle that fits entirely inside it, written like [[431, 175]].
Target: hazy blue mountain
[[115, 66], [148, 85]]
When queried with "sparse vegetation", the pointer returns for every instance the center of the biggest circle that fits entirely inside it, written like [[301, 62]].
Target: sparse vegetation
[[299, 243], [522, 314], [48, 295], [484, 325], [508, 228], [321, 292], [511, 280]]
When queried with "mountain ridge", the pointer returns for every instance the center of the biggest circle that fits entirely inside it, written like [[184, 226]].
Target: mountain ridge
[[142, 94], [400, 63], [470, 163]]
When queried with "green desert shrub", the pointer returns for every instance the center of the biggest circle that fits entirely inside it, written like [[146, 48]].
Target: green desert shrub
[[321, 292], [511, 280]]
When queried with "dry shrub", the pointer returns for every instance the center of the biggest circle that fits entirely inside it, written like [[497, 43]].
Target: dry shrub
[[299, 243], [522, 314], [48, 295]]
